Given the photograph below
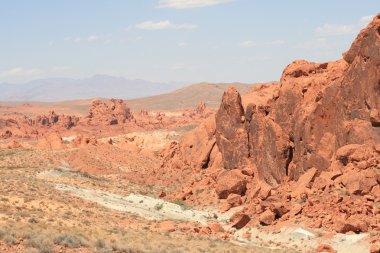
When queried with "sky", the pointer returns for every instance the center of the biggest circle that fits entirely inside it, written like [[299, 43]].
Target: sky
[[173, 40]]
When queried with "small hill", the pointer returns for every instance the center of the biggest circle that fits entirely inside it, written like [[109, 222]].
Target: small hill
[[189, 96]]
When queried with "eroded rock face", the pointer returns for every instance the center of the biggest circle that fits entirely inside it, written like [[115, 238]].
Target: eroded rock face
[[269, 148], [231, 136], [319, 108]]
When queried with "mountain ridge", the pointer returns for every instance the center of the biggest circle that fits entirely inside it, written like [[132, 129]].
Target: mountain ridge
[[61, 89]]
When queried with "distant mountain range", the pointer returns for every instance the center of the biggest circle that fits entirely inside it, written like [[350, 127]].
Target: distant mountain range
[[60, 89]]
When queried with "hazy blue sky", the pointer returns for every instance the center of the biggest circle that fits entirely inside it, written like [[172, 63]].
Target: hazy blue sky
[[173, 40]]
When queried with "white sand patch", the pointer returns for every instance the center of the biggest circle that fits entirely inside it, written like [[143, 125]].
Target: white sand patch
[[144, 206]]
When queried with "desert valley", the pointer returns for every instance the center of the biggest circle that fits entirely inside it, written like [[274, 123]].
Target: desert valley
[[285, 166]]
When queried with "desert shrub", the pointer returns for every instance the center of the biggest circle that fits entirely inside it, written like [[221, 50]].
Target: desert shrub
[[100, 243], [31, 250], [70, 241], [33, 220], [42, 244], [182, 204], [159, 206], [25, 233], [119, 247], [10, 239]]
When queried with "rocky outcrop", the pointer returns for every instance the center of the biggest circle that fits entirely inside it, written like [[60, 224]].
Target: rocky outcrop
[[231, 136], [83, 141], [112, 112], [52, 119], [51, 141], [104, 118], [308, 146], [18, 126], [200, 109], [319, 108]]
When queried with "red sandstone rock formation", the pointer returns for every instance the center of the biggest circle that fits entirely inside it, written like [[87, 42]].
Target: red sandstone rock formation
[[52, 119], [231, 136], [307, 148], [51, 141], [197, 150], [201, 108], [18, 126], [112, 112], [81, 141]]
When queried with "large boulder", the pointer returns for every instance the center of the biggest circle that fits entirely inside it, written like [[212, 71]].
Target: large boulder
[[267, 217], [239, 220], [197, 150], [230, 181]]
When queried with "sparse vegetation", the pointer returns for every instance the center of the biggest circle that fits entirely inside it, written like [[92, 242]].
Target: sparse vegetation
[[41, 243], [100, 244], [182, 203], [159, 206], [70, 241], [10, 238]]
